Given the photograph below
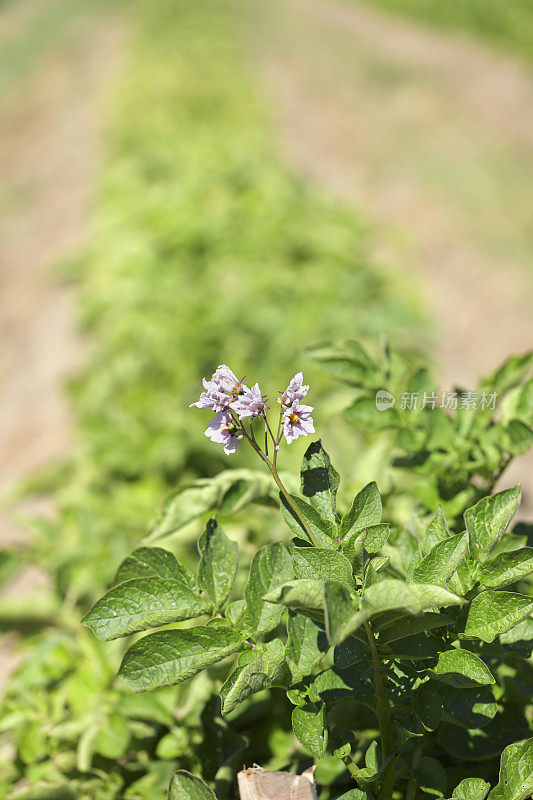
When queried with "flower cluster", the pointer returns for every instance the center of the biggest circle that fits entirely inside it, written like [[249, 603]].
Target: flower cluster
[[296, 418], [233, 403]]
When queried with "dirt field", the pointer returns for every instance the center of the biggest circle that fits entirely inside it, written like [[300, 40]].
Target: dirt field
[[50, 135], [433, 135]]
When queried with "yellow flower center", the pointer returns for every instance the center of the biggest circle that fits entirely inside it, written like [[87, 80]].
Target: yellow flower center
[[294, 418]]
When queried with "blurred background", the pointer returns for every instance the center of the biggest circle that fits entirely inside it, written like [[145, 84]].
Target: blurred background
[[186, 184]]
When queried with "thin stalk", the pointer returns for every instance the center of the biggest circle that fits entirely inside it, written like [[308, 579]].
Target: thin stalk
[[350, 766], [278, 438], [281, 487], [385, 725], [292, 504], [270, 432], [496, 477]]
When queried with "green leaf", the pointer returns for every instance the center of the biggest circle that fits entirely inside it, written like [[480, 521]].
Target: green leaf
[[306, 644], [408, 626], [442, 560], [332, 688], [371, 757], [479, 744], [340, 742], [263, 672], [229, 491], [366, 510], [271, 567], [309, 726], [414, 597], [518, 437], [184, 786], [113, 736], [324, 532], [347, 361], [353, 794], [322, 564], [218, 564], [516, 772], [341, 608], [509, 374], [462, 669], [436, 531], [506, 568], [343, 616], [413, 648], [320, 481], [351, 651], [487, 521], [143, 603], [235, 612], [430, 776], [145, 562], [242, 487], [300, 594], [84, 749], [186, 504], [365, 415], [520, 638], [353, 548], [376, 536], [168, 657], [493, 612], [471, 789], [470, 708], [428, 707], [373, 572]]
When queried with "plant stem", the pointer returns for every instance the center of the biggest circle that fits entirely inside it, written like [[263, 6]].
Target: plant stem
[[278, 438], [506, 460], [281, 487], [350, 766], [292, 504], [385, 726]]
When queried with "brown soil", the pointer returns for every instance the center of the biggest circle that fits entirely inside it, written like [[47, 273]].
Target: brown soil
[[433, 135]]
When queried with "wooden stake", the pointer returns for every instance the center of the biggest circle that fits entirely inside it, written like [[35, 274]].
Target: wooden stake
[[257, 783]]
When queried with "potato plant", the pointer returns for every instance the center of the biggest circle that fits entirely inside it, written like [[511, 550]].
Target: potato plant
[[404, 658], [447, 448]]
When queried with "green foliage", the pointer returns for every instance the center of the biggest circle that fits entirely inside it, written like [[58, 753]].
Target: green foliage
[[169, 657], [185, 786], [354, 653], [448, 451], [516, 772], [202, 245], [263, 671], [197, 224], [492, 613], [218, 566], [142, 603]]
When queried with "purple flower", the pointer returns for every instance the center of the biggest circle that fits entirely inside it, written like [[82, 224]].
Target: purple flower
[[213, 397], [249, 404], [222, 430], [228, 381], [296, 390], [297, 421]]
